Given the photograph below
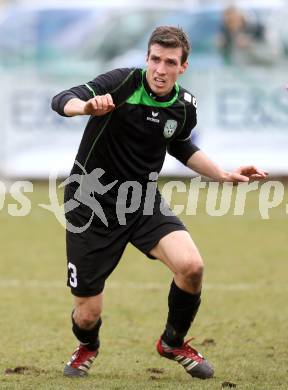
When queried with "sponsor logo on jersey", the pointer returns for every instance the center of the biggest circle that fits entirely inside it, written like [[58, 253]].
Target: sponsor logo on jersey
[[194, 102], [191, 99], [170, 128], [155, 120], [154, 117], [187, 97]]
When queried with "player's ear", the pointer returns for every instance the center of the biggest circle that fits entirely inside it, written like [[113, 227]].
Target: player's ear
[[184, 66]]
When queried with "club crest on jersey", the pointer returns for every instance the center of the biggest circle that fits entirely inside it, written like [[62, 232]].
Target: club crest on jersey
[[169, 128]]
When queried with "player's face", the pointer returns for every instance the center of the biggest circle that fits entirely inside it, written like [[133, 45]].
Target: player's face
[[163, 68]]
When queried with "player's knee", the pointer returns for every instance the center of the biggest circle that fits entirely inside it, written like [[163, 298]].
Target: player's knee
[[196, 273], [87, 319], [86, 316], [192, 267]]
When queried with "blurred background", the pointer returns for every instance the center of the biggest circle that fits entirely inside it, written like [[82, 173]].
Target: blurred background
[[238, 73]]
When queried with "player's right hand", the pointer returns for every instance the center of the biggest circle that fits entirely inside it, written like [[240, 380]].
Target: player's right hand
[[99, 105]]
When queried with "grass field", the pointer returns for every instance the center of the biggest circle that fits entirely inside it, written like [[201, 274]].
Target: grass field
[[241, 327]]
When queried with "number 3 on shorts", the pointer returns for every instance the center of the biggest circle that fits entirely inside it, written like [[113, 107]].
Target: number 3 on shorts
[[73, 275]]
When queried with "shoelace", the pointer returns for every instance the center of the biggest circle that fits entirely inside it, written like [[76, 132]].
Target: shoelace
[[189, 352]]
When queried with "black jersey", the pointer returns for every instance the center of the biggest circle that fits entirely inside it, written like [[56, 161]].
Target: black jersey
[[131, 141]]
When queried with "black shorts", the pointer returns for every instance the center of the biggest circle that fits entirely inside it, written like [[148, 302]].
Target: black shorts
[[94, 253]]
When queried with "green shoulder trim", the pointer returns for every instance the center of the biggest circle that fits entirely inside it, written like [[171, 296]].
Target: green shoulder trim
[[185, 115], [124, 81], [115, 89], [90, 89], [141, 96]]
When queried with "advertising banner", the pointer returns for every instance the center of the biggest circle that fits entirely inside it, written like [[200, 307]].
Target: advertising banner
[[242, 119]]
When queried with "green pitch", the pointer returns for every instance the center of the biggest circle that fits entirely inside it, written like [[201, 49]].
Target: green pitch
[[241, 327]]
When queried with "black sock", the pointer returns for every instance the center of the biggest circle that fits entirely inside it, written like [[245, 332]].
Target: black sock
[[183, 308], [90, 338]]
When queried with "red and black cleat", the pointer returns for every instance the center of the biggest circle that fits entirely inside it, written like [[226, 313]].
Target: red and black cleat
[[192, 361], [80, 362]]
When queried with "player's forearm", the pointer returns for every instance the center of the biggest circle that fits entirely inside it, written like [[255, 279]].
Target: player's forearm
[[74, 107], [201, 164]]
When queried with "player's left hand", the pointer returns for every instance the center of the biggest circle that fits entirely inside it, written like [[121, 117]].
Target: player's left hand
[[247, 173]]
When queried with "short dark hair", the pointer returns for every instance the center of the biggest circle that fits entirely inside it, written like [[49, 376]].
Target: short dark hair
[[170, 36]]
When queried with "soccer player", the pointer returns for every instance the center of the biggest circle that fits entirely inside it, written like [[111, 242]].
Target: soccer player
[[136, 115]]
